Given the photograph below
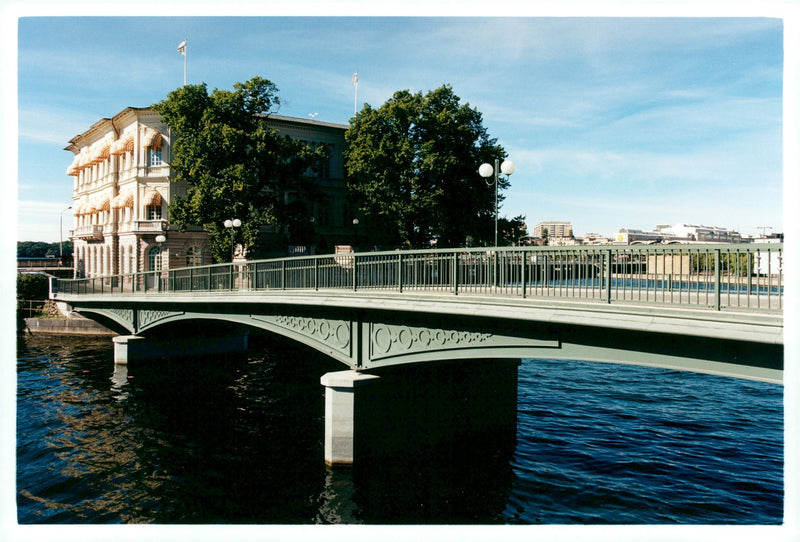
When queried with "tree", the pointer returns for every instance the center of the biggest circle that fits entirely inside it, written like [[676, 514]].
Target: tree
[[32, 286], [38, 249], [412, 165], [233, 164], [511, 231]]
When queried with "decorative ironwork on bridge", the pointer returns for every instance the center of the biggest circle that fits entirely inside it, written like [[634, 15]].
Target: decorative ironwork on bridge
[[713, 308]]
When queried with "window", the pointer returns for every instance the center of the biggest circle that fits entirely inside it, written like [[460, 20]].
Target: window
[[153, 212], [325, 167], [155, 157], [154, 259], [194, 257]]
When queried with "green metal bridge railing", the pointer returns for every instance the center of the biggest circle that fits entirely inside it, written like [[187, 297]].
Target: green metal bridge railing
[[715, 276]]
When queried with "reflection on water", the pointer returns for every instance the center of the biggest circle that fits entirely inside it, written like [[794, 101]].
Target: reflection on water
[[118, 382], [336, 504], [239, 439], [234, 439]]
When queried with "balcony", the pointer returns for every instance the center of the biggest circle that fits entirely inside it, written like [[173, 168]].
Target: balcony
[[148, 226], [93, 232]]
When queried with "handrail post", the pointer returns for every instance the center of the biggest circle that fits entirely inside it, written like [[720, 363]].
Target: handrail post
[[608, 276], [495, 278], [454, 273], [283, 274], [316, 273], [717, 279], [523, 273], [400, 272], [355, 272]]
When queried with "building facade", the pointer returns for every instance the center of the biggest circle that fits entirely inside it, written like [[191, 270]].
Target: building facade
[[122, 186], [630, 236], [555, 229], [678, 233], [700, 233]]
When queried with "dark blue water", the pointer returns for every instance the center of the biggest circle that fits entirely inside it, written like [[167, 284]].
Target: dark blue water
[[239, 439]]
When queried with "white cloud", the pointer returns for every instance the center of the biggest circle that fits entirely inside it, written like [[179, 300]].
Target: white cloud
[[55, 126]]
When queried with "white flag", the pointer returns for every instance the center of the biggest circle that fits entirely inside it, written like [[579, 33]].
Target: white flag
[[182, 48], [355, 78]]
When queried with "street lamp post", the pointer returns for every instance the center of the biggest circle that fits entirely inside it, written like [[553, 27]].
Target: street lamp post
[[232, 225], [487, 171], [157, 271], [61, 234], [355, 230]]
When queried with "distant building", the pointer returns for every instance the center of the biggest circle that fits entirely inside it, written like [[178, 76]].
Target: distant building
[[630, 236], [554, 229], [563, 242], [701, 234], [678, 233], [595, 239], [122, 185]]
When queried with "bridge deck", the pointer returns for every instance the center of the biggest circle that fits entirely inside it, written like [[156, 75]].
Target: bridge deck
[[759, 327], [717, 311]]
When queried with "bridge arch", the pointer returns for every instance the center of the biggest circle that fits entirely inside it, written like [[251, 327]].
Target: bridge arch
[[405, 329]]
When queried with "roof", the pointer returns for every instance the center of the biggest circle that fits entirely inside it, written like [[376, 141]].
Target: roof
[[311, 122]]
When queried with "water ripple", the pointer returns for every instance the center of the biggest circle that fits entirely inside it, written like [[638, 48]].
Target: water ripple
[[239, 440]]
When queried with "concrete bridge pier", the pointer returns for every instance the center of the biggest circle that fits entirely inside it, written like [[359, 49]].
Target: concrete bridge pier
[[412, 411], [137, 347]]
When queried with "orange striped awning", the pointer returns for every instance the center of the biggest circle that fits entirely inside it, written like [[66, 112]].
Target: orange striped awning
[[152, 139], [100, 154], [122, 200], [73, 168], [152, 197], [84, 158], [122, 145]]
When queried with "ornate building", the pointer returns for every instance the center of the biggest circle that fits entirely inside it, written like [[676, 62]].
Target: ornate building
[[122, 186]]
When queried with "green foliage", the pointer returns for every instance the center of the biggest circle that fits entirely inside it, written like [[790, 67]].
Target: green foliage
[[233, 164], [38, 249], [738, 264], [511, 231], [412, 167], [32, 286]]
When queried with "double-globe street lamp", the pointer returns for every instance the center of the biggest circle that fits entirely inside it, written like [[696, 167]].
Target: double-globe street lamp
[[232, 225], [487, 171]]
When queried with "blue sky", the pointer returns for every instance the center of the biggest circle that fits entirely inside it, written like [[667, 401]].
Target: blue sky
[[611, 122]]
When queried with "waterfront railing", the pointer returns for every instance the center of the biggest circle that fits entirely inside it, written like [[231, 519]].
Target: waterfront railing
[[715, 276]]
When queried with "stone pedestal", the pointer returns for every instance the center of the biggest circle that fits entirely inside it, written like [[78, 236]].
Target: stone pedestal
[[340, 407], [413, 411], [127, 348]]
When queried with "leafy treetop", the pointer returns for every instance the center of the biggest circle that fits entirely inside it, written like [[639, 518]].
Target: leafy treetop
[[233, 165], [412, 165]]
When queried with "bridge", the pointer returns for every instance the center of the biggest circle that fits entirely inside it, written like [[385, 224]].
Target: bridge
[[707, 308]]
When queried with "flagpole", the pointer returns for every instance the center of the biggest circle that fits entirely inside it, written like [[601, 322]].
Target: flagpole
[[182, 51], [185, 56], [355, 99]]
